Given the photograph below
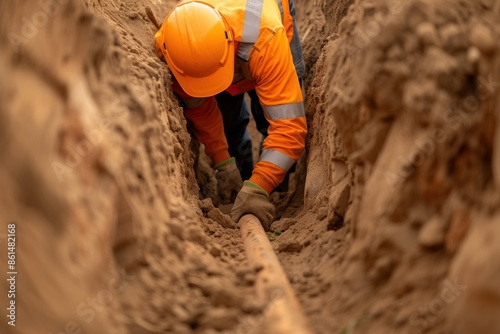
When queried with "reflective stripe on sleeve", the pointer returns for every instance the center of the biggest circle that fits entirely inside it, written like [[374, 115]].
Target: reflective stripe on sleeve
[[279, 159], [284, 111], [251, 28]]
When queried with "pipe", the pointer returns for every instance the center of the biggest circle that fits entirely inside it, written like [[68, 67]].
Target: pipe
[[283, 313]]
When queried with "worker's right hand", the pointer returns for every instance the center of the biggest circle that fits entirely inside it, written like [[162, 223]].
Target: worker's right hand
[[229, 180], [252, 199]]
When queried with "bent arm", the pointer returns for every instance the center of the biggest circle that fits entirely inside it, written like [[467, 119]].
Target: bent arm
[[280, 94], [206, 118]]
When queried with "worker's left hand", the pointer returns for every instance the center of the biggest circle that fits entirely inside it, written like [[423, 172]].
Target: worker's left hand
[[252, 199], [229, 180]]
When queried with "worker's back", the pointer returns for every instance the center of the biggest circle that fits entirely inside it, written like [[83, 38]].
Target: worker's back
[[252, 22]]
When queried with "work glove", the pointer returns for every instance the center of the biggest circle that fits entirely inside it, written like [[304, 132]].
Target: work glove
[[229, 180], [253, 199]]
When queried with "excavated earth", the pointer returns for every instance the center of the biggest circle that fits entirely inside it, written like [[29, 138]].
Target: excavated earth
[[392, 221]]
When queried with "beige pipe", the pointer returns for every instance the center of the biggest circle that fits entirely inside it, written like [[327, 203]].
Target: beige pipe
[[283, 314]]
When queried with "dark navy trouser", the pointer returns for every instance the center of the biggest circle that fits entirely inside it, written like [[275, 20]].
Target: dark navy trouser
[[235, 116]]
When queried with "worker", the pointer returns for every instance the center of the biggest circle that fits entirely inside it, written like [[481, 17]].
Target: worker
[[219, 49]]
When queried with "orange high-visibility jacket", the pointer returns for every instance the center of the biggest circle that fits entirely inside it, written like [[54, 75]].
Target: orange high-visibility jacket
[[262, 42]]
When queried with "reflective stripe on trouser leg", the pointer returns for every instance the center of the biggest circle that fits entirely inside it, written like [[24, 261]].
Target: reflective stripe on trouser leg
[[284, 111], [295, 46], [279, 159]]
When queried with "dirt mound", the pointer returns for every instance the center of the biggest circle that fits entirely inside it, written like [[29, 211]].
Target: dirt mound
[[97, 175], [392, 223], [403, 153]]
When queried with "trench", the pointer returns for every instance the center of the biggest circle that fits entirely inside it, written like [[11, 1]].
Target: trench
[[390, 223]]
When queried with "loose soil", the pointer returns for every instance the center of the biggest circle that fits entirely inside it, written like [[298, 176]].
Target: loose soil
[[391, 221]]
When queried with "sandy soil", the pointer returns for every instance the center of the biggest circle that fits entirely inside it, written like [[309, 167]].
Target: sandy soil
[[402, 187], [391, 224]]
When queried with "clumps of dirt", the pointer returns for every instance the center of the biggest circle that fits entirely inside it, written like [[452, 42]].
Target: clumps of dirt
[[97, 174], [311, 23], [397, 227], [402, 171], [334, 11], [315, 30]]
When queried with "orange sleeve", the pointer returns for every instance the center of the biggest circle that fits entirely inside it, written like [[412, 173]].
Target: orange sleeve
[[209, 129], [280, 94]]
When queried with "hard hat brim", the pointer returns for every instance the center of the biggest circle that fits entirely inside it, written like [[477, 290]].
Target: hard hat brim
[[208, 85]]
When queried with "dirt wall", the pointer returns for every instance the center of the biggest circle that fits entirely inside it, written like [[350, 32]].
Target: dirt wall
[[392, 223], [402, 174], [97, 175]]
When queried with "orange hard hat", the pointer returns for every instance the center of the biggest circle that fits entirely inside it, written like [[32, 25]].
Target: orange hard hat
[[198, 46]]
